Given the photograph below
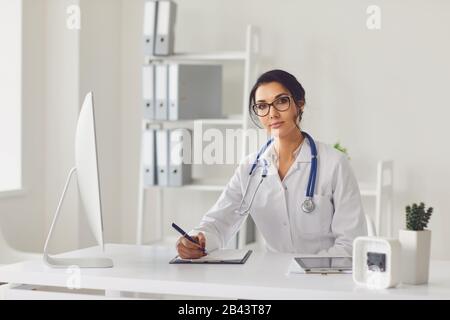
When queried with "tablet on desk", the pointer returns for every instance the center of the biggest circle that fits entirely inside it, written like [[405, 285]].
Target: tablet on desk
[[225, 256], [325, 264]]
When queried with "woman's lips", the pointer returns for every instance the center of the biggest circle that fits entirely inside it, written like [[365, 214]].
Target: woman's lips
[[276, 125]]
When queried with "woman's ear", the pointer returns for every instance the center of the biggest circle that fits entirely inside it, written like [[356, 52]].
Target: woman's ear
[[301, 106]]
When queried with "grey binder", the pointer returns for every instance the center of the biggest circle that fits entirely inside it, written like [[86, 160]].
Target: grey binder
[[150, 19], [149, 157], [148, 89], [195, 91], [165, 28], [161, 91], [180, 168], [162, 157]]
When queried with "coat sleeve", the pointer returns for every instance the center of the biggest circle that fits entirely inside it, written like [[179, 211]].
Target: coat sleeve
[[348, 219], [221, 222]]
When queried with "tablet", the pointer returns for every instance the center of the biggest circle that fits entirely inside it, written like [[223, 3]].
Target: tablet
[[325, 264]]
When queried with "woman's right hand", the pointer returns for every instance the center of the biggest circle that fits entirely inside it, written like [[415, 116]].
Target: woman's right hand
[[188, 250]]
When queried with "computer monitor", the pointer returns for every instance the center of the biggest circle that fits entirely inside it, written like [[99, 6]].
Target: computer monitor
[[86, 168]]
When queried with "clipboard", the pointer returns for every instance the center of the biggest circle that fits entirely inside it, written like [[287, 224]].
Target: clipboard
[[218, 260]]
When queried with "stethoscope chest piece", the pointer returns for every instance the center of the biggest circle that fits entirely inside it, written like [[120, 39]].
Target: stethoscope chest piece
[[308, 205]]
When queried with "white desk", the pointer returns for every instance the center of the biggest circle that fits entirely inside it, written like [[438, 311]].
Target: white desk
[[145, 269]]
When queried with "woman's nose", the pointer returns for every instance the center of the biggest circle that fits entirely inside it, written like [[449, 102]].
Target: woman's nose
[[274, 113]]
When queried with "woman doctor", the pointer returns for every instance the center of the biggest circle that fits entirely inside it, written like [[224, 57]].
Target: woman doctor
[[296, 209]]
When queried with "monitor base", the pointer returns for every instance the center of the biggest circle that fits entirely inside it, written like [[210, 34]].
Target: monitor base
[[90, 262]]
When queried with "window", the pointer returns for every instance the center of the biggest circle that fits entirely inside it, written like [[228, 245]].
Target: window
[[10, 95]]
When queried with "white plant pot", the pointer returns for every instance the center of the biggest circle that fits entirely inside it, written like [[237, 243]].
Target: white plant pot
[[415, 256]]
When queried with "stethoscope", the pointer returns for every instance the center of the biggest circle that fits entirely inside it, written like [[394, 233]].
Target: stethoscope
[[308, 205]]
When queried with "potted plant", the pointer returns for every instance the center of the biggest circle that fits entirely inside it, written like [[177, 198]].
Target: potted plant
[[416, 244], [339, 147]]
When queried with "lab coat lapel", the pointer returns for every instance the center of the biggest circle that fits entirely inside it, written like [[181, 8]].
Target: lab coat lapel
[[303, 157], [270, 156], [305, 153]]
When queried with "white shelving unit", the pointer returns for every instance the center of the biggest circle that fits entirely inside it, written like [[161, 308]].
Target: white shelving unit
[[247, 58], [217, 56], [382, 193]]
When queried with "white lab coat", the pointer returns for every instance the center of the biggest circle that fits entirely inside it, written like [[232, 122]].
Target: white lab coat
[[330, 229]]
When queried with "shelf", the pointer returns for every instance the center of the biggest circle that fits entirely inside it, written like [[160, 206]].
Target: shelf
[[218, 56], [197, 185], [237, 122], [224, 121], [13, 193], [204, 187], [367, 190], [217, 187]]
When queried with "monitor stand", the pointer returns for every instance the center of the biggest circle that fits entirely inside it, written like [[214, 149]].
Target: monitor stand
[[87, 262]]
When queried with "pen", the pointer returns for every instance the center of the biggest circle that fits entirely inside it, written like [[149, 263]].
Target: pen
[[187, 236]]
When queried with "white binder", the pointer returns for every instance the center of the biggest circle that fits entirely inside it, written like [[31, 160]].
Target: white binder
[[195, 91], [149, 157], [173, 92], [161, 91], [165, 28], [150, 19], [162, 157], [180, 168], [148, 89]]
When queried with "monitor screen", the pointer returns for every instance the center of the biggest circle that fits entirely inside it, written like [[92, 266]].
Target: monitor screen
[[87, 168]]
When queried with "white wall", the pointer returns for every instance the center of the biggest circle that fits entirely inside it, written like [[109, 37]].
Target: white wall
[[62, 105], [21, 217], [131, 62], [381, 93]]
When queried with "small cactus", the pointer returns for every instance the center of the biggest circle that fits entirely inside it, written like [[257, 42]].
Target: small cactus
[[416, 217]]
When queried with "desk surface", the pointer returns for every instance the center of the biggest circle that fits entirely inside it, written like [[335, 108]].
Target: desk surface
[[264, 276]]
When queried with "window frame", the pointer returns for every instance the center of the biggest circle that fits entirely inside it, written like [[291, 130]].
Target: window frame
[[19, 190]]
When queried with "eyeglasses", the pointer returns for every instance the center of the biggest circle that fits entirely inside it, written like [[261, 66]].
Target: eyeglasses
[[281, 104]]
